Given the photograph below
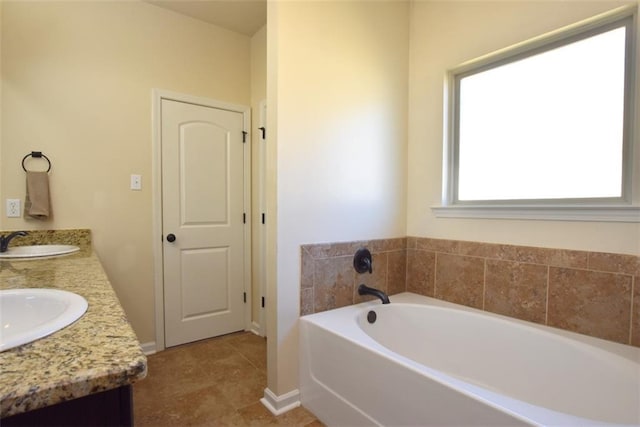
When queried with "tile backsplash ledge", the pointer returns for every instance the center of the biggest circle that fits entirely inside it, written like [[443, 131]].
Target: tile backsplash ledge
[[592, 293], [79, 237]]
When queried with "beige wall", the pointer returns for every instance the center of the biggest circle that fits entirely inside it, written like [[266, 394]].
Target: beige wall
[[337, 92], [76, 84], [443, 35]]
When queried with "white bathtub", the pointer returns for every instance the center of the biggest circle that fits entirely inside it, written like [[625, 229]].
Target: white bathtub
[[429, 362]]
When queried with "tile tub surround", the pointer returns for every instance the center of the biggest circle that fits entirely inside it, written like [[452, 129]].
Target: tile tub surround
[[329, 280], [98, 352], [592, 293]]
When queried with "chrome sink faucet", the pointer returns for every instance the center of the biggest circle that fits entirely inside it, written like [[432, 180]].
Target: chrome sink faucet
[[4, 240]]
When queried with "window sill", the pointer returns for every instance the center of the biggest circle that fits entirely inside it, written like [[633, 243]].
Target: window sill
[[623, 213]]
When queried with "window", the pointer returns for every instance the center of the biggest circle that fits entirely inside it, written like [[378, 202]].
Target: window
[[546, 123]]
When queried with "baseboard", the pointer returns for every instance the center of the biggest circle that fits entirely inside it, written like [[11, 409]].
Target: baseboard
[[148, 348], [255, 328], [280, 404]]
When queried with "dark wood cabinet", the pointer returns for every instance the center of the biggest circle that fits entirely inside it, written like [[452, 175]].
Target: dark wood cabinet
[[107, 408]]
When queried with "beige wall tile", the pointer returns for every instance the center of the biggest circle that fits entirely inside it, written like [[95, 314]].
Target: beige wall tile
[[568, 258], [386, 245], [487, 250], [437, 245], [459, 279], [397, 272], [517, 290], [306, 301], [616, 263], [329, 250], [412, 242], [590, 302], [421, 267], [333, 283], [306, 268], [532, 255]]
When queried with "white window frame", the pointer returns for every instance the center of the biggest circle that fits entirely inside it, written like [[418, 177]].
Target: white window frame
[[619, 209]]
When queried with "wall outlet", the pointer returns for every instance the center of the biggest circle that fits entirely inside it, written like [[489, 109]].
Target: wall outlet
[[136, 182], [13, 208]]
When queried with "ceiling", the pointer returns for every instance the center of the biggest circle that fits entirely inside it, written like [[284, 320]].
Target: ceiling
[[242, 16]]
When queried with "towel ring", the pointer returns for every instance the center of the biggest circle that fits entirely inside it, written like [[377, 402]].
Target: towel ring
[[37, 155]]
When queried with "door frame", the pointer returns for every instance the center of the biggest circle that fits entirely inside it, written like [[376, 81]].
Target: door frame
[[157, 95], [260, 208]]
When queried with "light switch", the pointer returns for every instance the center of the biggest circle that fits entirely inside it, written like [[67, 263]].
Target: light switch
[[136, 182]]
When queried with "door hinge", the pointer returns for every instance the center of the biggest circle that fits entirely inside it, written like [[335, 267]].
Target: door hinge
[[263, 217], [244, 218], [262, 302], [244, 136], [264, 132], [244, 297]]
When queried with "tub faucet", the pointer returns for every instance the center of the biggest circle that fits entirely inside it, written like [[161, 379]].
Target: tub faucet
[[365, 290], [4, 240]]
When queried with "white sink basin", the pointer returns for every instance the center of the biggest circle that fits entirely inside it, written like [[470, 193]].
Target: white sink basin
[[38, 251], [30, 314]]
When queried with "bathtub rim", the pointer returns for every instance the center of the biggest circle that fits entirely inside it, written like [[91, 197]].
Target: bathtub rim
[[626, 351], [343, 322]]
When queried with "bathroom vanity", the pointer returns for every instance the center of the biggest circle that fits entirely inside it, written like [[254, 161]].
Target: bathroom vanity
[[79, 375]]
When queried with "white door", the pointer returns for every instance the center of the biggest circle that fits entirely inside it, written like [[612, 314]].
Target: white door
[[202, 221]]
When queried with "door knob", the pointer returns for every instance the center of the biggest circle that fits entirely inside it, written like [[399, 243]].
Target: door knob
[[171, 237]]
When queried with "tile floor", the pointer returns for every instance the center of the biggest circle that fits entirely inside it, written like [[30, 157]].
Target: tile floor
[[214, 382]]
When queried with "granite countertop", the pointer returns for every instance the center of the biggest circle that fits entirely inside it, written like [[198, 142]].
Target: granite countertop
[[98, 352]]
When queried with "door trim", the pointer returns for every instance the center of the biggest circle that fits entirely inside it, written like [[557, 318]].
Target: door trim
[[157, 95], [259, 230]]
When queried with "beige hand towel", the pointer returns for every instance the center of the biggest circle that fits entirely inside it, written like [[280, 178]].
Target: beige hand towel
[[37, 204]]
